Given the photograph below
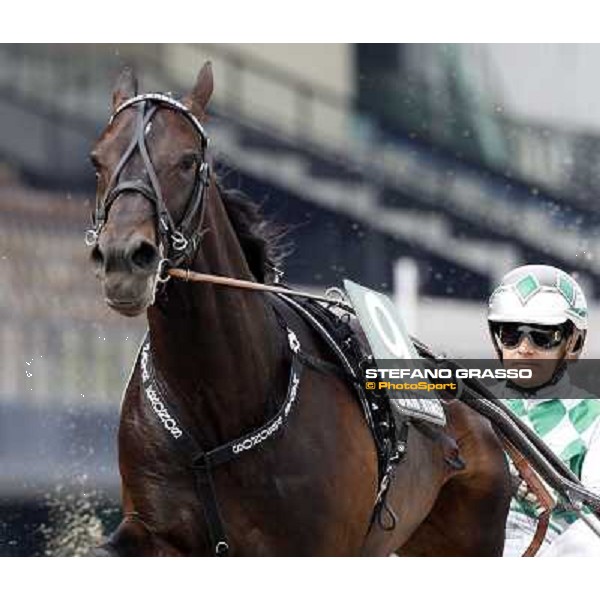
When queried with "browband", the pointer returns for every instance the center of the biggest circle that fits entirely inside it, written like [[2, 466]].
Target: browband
[[168, 101]]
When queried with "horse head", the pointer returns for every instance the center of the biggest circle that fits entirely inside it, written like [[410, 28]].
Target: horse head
[[152, 174]]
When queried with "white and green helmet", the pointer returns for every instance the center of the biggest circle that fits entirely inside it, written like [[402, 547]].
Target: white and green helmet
[[539, 295]]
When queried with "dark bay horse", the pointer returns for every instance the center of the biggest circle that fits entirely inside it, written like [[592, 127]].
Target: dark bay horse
[[221, 368]]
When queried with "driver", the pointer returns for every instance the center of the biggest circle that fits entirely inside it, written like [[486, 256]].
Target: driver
[[538, 320]]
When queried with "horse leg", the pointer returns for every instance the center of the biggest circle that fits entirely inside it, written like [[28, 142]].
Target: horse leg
[[469, 515]]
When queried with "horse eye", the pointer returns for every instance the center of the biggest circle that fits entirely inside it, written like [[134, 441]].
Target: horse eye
[[187, 162]]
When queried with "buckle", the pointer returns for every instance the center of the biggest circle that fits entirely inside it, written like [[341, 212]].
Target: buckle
[[162, 271], [163, 225], [335, 294], [161, 277], [180, 243], [91, 237], [221, 548], [278, 274]]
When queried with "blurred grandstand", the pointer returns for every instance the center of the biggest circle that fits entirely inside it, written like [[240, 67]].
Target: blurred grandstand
[[371, 153]]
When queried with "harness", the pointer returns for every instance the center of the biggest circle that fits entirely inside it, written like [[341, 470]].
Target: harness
[[388, 428], [390, 443]]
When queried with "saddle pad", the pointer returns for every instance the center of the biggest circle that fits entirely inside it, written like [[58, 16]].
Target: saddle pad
[[388, 339]]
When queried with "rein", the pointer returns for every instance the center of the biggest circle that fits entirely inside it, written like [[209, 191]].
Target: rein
[[545, 499], [187, 275]]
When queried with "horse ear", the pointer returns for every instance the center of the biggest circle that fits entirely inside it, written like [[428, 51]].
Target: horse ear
[[198, 98], [126, 87]]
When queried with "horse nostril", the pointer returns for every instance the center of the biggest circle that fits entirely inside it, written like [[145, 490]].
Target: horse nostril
[[145, 256], [96, 256]]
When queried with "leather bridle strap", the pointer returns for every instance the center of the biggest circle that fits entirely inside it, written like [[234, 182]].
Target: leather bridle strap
[[103, 204], [168, 101], [165, 222]]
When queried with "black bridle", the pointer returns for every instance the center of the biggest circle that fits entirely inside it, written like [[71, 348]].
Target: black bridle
[[177, 242]]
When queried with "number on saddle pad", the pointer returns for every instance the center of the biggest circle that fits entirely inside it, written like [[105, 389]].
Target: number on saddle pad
[[388, 338]]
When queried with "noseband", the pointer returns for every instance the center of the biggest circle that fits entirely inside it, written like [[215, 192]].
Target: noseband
[[176, 242]]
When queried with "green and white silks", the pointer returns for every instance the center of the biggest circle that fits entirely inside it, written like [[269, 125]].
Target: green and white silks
[[571, 428]]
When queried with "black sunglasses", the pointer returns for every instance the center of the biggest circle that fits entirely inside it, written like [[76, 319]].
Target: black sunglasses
[[510, 335]]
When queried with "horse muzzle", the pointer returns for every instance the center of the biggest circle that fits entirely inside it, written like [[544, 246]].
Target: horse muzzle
[[129, 294], [128, 273]]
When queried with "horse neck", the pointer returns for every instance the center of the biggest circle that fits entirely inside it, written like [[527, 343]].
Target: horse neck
[[217, 347]]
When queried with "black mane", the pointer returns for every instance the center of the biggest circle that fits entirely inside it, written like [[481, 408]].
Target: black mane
[[261, 239]]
